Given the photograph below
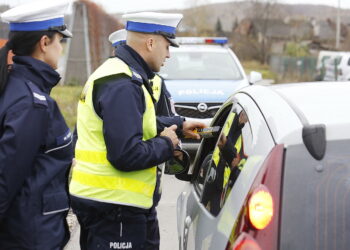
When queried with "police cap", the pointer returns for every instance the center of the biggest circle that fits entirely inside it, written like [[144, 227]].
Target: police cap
[[117, 37], [38, 16], [156, 23]]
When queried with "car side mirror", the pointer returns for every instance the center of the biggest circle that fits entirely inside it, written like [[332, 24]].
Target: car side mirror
[[179, 164], [254, 77]]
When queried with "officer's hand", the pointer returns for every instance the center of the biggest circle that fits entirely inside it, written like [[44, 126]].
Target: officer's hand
[[235, 162], [189, 126], [178, 154], [170, 132], [222, 141]]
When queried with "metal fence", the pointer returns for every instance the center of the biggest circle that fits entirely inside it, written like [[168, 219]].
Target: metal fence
[[296, 68]]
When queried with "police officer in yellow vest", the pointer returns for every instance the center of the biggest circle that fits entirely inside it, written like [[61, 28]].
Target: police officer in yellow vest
[[164, 101], [121, 140]]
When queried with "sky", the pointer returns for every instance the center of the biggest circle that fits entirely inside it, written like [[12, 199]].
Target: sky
[[140, 5]]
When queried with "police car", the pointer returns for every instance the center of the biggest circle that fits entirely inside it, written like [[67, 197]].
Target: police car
[[201, 74]]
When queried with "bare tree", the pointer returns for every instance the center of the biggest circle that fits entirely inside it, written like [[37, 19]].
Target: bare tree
[[264, 9], [234, 25], [196, 20], [261, 13]]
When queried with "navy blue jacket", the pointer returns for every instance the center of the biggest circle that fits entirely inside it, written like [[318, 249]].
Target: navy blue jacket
[[164, 104], [120, 103], [35, 156], [164, 108]]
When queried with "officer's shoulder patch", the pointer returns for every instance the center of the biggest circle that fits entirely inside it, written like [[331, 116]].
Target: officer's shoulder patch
[[63, 139], [39, 97], [136, 77]]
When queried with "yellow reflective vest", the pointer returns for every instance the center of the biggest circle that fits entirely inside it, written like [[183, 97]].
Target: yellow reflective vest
[[156, 84], [225, 131], [238, 146], [93, 176]]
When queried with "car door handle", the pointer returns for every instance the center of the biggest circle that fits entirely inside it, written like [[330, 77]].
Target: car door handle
[[187, 225], [188, 222]]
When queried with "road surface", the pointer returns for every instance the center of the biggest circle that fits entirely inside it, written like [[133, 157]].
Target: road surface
[[166, 215]]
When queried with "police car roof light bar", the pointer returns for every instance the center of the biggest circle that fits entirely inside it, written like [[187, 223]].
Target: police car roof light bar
[[202, 40], [217, 40]]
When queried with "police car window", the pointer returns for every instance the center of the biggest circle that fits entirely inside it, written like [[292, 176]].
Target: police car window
[[199, 65], [225, 163]]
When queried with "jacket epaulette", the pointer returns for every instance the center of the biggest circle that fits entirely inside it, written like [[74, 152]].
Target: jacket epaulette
[[39, 98]]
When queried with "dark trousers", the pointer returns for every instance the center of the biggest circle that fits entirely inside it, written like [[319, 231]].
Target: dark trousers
[[120, 227]]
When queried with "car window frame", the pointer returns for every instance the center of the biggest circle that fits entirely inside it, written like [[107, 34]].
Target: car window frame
[[236, 108], [208, 145], [197, 187]]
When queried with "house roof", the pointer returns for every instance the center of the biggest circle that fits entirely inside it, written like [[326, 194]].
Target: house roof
[[272, 28]]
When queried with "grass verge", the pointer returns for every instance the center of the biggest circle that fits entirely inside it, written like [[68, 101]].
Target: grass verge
[[67, 99]]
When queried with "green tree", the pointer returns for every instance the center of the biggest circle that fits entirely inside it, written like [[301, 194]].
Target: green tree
[[218, 28]]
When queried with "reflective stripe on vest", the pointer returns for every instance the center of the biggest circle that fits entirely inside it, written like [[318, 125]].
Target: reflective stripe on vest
[[227, 172], [93, 177], [156, 87]]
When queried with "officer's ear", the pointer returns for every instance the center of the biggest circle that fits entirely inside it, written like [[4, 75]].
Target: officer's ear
[[43, 43], [150, 43]]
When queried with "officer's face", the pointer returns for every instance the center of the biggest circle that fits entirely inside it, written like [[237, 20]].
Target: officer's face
[[160, 53], [53, 51]]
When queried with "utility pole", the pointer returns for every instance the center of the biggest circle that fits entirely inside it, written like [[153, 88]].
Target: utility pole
[[337, 34]]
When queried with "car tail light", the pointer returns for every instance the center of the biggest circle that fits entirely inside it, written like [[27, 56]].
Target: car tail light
[[259, 217], [340, 72], [245, 242], [260, 207]]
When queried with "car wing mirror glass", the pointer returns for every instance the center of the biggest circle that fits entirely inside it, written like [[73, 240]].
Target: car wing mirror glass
[[179, 164]]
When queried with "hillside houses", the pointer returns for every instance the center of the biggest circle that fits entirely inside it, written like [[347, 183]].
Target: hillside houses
[[277, 31]]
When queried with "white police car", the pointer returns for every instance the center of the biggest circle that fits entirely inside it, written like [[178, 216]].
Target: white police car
[[201, 74]]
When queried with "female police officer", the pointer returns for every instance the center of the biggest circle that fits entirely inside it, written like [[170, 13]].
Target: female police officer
[[35, 142]]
